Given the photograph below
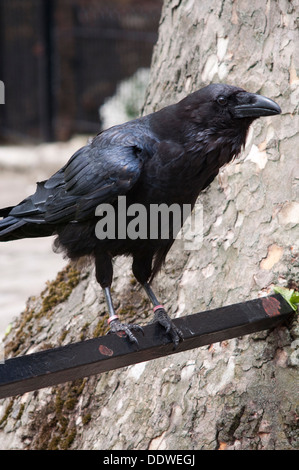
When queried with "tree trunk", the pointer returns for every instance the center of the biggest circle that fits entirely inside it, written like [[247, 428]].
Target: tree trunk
[[238, 394]]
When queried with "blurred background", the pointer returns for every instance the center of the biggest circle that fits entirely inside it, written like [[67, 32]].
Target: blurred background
[[70, 68]]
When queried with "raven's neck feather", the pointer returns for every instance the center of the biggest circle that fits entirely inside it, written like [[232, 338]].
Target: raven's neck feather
[[227, 145]]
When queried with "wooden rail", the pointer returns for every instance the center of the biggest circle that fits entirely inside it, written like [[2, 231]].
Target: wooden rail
[[77, 360]]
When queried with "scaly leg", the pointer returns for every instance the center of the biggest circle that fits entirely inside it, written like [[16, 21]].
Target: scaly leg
[[114, 323], [162, 318], [104, 274], [142, 268]]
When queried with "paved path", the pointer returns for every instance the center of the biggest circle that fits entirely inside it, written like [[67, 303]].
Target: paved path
[[26, 265]]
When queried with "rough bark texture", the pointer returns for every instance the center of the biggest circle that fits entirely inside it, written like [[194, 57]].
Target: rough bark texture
[[242, 393]]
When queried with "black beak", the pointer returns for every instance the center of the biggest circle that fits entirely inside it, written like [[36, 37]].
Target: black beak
[[252, 105]]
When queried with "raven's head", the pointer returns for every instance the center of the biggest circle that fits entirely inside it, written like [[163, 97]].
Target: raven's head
[[225, 105], [220, 114]]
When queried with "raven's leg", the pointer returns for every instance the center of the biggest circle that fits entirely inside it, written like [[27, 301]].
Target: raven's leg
[[104, 274], [142, 271], [162, 318]]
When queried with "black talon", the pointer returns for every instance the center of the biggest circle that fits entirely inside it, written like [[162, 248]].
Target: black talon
[[116, 326], [163, 319]]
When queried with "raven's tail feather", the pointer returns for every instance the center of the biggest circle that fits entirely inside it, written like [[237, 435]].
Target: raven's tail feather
[[13, 228], [10, 228], [5, 211], [26, 219]]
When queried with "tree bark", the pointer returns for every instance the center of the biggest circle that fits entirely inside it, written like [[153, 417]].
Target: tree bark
[[238, 394]]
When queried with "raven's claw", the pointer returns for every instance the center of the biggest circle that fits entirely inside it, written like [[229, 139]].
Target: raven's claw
[[174, 332], [116, 327]]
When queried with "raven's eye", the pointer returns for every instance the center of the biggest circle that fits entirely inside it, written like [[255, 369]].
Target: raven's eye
[[222, 100]]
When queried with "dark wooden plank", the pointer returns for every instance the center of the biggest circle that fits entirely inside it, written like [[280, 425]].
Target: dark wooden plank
[[51, 367]]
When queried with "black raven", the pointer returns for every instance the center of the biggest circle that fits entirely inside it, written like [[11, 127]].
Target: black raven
[[167, 157]]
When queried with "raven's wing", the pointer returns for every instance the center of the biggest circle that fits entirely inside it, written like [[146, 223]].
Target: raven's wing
[[99, 172]]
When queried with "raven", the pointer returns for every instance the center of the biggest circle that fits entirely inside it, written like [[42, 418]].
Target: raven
[[167, 157]]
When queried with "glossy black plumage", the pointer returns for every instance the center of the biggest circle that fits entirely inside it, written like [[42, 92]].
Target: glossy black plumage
[[165, 157]]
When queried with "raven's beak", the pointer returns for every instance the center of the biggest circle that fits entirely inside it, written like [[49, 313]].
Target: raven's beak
[[254, 106]]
